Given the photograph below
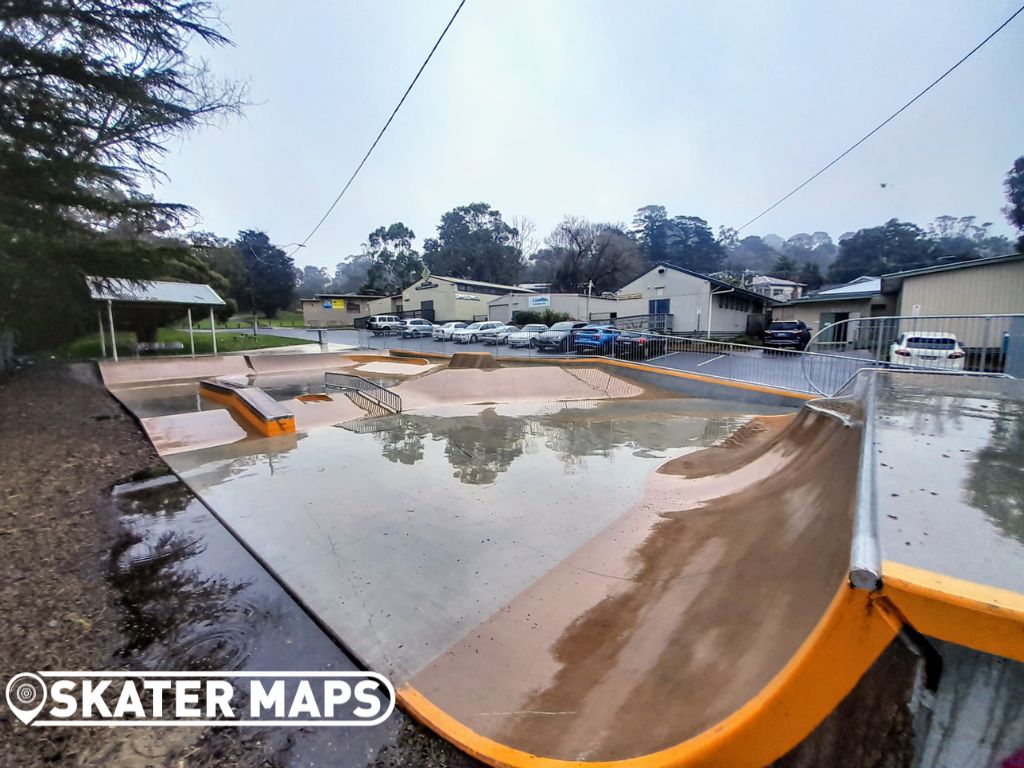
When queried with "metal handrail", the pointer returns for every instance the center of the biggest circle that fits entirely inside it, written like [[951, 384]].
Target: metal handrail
[[381, 395]]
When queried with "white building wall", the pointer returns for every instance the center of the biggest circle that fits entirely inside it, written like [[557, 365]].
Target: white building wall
[[687, 297], [571, 304]]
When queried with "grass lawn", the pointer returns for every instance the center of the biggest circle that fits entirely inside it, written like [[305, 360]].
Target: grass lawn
[[89, 346], [284, 319]]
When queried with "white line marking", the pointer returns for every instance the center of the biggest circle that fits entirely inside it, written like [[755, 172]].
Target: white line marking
[[710, 361]]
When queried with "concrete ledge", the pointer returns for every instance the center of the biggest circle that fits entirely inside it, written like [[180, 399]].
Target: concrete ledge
[[256, 407]]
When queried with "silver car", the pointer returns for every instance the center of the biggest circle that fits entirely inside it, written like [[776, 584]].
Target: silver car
[[527, 335]]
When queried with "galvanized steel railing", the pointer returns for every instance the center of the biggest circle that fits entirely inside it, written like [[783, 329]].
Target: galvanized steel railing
[[371, 390]]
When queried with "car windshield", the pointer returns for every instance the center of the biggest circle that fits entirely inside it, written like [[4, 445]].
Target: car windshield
[[562, 326], [783, 327], [535, 327], [589, 331], [923, 342], [473, 327]]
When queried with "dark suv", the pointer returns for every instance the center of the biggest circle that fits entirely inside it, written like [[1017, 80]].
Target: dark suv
[[559, 337], [787, 334]]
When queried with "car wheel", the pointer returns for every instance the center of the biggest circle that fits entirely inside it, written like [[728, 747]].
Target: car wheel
[[472, 339], [533, 343]]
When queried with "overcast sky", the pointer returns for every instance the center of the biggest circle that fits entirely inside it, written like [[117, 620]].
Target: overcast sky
[[551, 107]]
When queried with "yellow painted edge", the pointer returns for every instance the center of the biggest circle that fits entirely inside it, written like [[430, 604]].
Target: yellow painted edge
[[266, 427], [846, 641], [635, 366], [984, 618]]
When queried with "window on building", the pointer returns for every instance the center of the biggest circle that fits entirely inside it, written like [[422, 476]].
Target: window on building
[[352, 306]]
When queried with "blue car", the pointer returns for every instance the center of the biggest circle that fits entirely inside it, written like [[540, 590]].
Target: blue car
[[596, 338]]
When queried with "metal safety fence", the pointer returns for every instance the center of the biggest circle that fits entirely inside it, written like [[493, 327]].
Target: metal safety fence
[[831, 357]]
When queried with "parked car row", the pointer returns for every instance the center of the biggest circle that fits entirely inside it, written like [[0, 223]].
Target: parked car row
[[564, 337]]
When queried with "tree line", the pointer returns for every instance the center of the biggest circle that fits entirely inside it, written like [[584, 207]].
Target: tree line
[[475, 242], [92, 90]]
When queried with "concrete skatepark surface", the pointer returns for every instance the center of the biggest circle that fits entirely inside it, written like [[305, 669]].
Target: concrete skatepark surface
[[550, 574]]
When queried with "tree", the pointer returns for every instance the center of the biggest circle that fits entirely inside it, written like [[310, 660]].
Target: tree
[[91, 90], [271, 273], [894, 246], [785, 267], [475, 243], [310, 281], [650, 233], [810, 276], [393, 263], [961, 239], [690, 243], [350, 275], [750, 253], [601, 256], [1014, 209]]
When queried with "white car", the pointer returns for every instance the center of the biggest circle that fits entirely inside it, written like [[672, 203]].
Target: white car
[[498, 335], [471, 333], [414, 327], [527, 336], [927, 349], [384, 324], [444, 332]]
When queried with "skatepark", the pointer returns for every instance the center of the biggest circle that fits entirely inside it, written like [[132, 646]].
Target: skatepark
[[587, 563]]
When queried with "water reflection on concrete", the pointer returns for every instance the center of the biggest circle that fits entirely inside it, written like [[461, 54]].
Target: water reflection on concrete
[[951, 466], [192, 598], [403, 539]]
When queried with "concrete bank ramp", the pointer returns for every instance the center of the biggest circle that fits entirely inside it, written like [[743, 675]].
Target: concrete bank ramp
[[509, 385], [128, 372]]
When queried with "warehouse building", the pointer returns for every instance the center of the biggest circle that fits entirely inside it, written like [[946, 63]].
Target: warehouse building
[[443, 299]]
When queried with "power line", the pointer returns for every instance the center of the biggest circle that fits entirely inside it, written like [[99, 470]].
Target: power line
[[885, 122], [382, 131]]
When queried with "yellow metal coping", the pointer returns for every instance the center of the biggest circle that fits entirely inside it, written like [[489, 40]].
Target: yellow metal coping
[[246, 403], [854, 631], [987, 619], [840, 649]]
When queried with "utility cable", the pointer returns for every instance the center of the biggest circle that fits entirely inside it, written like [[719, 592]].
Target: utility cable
[[885, 122], [382, 131]]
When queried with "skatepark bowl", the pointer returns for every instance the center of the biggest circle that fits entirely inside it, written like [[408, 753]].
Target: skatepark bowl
[[594, 563]]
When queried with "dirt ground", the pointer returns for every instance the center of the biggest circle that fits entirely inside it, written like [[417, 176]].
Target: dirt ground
[[63, 442]]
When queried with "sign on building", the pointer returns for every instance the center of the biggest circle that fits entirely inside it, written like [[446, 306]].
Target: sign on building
[[536, 302]]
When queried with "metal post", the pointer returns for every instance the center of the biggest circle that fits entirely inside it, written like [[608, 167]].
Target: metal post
[[110, 318], [191, 336], [984, 345], [103, 338], [213, 331]]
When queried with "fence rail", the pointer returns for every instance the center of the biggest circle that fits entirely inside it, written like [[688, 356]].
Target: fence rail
[[995, 344], [371, 390]]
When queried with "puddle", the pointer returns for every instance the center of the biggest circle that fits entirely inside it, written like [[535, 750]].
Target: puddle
[[192, 598], [403, 533]]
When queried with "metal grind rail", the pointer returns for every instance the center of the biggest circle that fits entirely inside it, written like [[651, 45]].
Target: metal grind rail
[[371, 390]]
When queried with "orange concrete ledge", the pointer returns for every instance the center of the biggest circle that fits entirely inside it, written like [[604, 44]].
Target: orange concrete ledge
[[258, 409]]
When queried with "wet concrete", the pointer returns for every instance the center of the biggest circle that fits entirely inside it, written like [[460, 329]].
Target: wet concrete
[[406, 535], [950, 457], [673, 617], [192, 598]]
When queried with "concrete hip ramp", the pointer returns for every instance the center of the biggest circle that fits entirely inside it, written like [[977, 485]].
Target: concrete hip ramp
[[694, 616]]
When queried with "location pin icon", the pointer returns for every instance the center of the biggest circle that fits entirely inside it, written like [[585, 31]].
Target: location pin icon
[[26, 696]]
